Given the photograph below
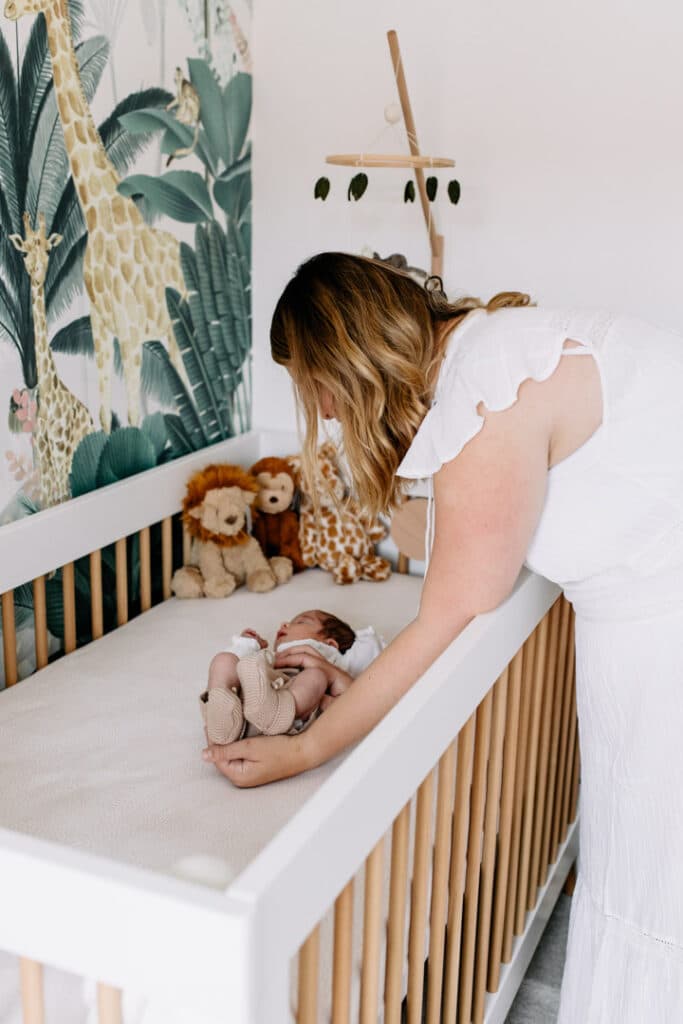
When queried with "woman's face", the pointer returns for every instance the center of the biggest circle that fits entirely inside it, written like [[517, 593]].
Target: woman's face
[[326, 403]]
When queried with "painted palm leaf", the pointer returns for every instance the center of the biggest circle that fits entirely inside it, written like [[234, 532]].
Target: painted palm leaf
[[9, 166], [205, 394], [35, 80], [192, 429], [182, 195], [49, 164], [237, 113]]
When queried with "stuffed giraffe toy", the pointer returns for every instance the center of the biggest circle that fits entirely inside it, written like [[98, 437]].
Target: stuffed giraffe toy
[[127, 265], [62, 421], [342, 538]]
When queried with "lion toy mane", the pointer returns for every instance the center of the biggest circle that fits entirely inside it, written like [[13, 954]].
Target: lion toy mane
[[223, 554]]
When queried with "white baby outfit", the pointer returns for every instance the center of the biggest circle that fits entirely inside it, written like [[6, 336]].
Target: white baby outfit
[[611, 534], [365, 648], [243, 646]]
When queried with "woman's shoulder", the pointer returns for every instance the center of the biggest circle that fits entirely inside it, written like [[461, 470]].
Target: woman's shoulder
[[487, 359]]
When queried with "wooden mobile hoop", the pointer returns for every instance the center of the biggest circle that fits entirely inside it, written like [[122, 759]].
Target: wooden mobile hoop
[[416, 161]]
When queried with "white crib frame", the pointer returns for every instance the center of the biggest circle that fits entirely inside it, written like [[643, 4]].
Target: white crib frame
[[129, 927]]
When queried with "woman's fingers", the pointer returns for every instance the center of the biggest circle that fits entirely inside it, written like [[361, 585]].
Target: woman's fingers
[[257, 760], [300, 657]]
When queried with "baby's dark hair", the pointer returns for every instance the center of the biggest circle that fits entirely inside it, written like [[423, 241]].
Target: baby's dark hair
[[335, 629]]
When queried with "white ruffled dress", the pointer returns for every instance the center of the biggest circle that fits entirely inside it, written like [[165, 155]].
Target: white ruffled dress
[[611, 534]]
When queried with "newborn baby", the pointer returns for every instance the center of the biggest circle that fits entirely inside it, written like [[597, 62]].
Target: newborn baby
[[244, 688]]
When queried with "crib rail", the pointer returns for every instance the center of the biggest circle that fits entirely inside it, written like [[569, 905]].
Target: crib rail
[[489, 820]]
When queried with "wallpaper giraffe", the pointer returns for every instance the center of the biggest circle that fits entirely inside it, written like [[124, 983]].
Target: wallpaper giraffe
[[124, 138]]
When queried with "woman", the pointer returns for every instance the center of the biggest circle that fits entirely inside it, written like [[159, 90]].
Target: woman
[[572, 465]]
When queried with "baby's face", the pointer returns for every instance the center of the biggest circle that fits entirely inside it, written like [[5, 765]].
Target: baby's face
[[304, 626]]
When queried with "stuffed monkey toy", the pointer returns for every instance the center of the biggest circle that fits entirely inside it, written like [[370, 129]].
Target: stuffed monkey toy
[[275, 524]]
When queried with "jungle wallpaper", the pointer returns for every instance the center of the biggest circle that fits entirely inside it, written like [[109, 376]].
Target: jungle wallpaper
[[125, 239]]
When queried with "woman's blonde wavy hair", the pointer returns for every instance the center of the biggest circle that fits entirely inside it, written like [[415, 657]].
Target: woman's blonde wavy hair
[[374, 338]]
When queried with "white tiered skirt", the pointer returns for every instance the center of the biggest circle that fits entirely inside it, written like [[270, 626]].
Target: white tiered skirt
[[625, 948]]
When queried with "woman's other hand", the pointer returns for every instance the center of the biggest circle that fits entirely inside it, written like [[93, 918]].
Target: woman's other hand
[[307, 657], [259, 759]]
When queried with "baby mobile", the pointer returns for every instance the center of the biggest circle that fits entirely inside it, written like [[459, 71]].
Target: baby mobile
[[427, 188]]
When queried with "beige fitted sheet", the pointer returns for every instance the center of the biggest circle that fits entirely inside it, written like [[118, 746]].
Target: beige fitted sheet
[[101, 750]]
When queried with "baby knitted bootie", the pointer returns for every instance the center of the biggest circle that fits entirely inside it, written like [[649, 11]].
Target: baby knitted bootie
[[267, 705], [223, 715]]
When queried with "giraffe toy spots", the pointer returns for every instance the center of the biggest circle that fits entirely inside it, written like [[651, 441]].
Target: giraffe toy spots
[[127, 264], [62, 421]]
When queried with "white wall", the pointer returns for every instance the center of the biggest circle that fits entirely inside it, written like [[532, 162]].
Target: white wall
[[565, 121]]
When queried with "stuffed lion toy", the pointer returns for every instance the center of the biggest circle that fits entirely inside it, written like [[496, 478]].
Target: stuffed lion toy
[[223, 555]]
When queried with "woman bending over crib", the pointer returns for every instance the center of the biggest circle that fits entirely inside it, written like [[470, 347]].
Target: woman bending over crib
[[368, 346]]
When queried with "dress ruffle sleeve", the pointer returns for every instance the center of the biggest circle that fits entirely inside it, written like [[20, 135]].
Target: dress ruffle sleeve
[[487, 364]]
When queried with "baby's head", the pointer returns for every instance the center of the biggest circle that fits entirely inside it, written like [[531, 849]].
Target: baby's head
[[317, 625]]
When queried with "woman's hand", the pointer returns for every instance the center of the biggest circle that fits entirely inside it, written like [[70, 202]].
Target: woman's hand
[[307, 657], [259, 759]]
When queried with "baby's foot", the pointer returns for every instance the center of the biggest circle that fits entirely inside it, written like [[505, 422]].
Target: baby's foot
[[272, 710], [223, 715]]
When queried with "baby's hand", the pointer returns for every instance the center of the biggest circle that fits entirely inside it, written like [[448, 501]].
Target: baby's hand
[[253, 635]]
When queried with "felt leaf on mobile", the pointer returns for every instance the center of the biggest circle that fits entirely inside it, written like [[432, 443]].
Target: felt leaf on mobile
[[431, 186], [357, 186], [322, 189], [409, 192], [454, 191]]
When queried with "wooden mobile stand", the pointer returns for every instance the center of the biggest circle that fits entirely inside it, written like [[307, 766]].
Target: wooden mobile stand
[[416, 160]]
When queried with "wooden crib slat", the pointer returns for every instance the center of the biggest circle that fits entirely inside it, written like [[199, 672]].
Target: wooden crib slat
[[372, 929], [442, 849], [547, 697], [121, 582], [307, 1002], [343, 955], [9, 638], [166, 556], [96, 606], [528, 654], [419, 898], [32, 996], [530, 784], [109, 1005], [402, 566], [461, 816], [398, 889], [558, 688], [145, 570], [505, 824], [187, 545], [474, 852], [567, 701], [40, 621], [69, 603], [488, 860]]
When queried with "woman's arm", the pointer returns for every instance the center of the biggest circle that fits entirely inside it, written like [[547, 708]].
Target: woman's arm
[[488, 502]]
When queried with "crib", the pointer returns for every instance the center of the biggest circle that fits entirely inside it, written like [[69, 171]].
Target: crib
[[408, 879]]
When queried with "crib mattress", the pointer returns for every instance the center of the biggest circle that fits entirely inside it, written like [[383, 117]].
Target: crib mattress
[[101, 750]]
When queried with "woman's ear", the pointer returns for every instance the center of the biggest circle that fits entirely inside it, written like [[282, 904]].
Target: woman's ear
[[332, 643]]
